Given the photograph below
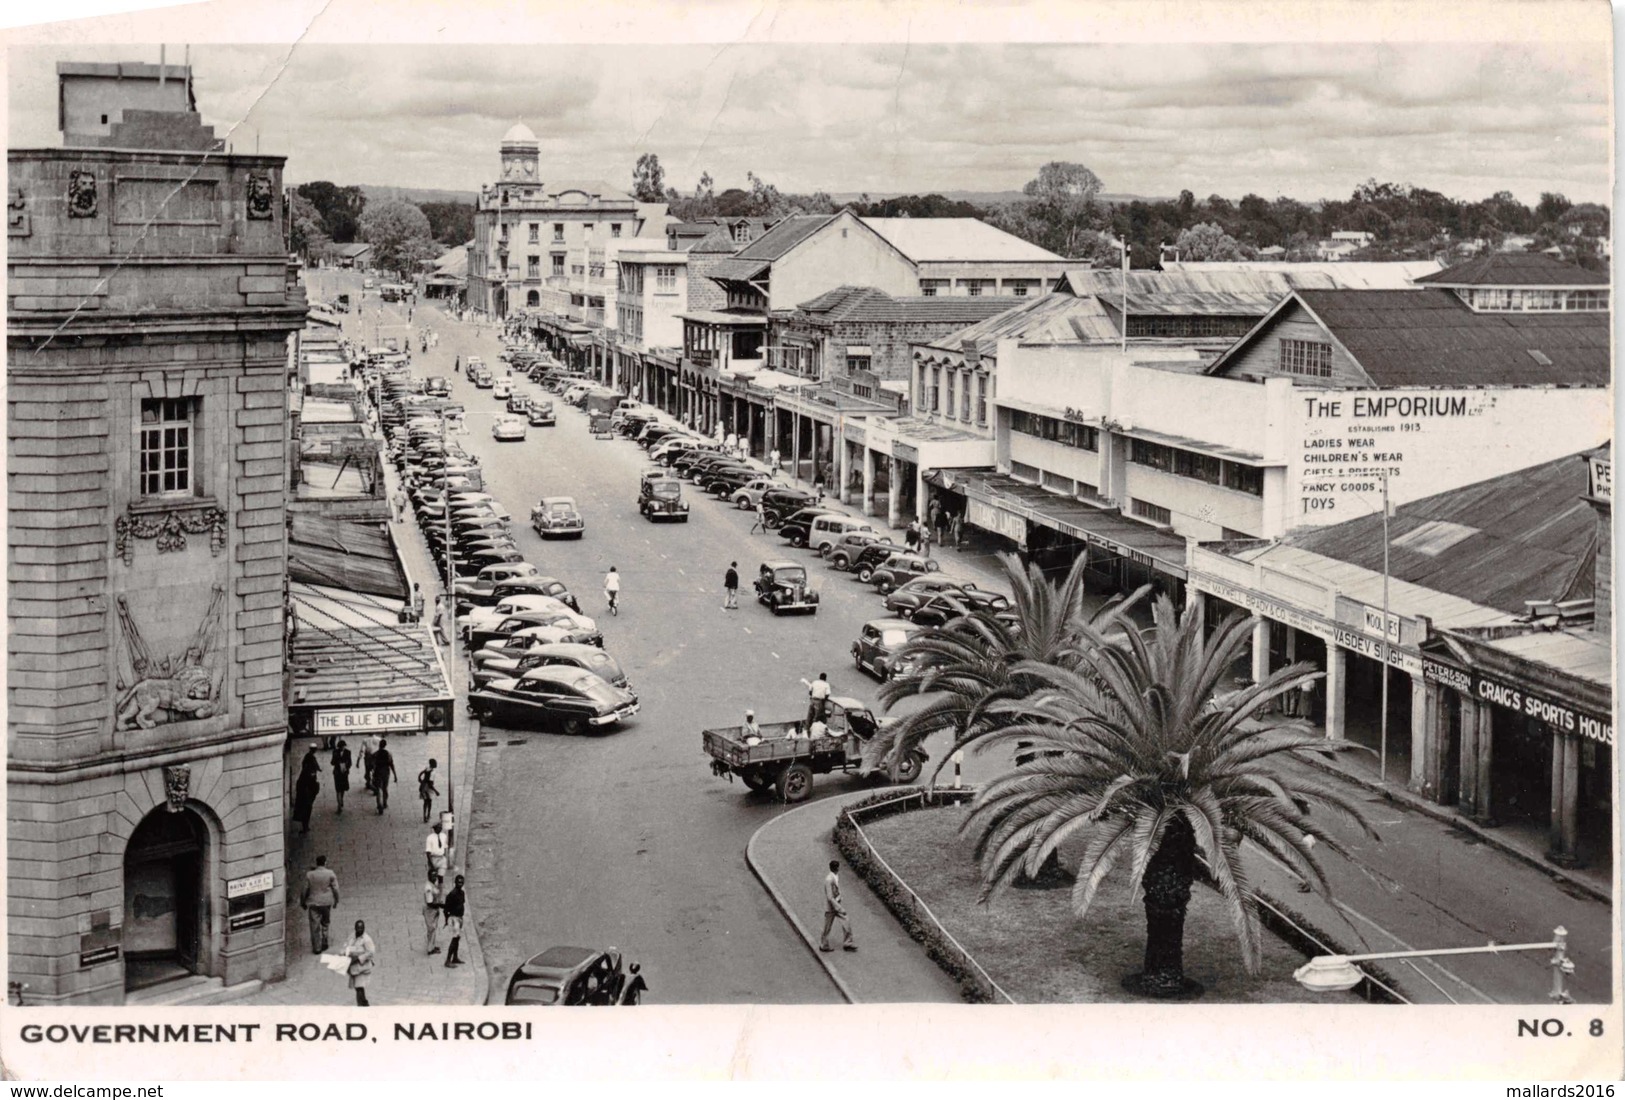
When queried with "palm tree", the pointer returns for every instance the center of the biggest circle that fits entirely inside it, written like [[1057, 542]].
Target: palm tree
[[969, 662], [1137, 758]]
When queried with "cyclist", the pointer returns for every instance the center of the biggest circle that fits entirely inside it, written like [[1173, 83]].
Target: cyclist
[[612, 590]]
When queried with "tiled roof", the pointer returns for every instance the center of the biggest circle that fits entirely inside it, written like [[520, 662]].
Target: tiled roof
[[864, 304], [1430, 338], [927, 239], [355, 249], [1522, 536], [719, 240], [784, 236], [738, 269], [1515, 269]]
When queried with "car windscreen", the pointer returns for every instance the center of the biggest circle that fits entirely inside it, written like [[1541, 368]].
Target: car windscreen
[[671, 489], [557, 509], [894, 637], [534, 995], [790, 575]]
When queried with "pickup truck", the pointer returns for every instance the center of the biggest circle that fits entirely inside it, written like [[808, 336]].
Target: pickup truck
[[783, 756]]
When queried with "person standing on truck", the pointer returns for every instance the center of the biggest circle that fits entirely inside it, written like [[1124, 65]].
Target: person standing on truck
[[817, 698]]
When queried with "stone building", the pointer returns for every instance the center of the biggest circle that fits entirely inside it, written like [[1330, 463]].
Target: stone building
[[150, 313]]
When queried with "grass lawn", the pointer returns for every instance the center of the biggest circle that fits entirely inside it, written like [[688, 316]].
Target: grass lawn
[[1032, 944]]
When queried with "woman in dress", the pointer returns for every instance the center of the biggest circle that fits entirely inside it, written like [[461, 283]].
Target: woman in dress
[[306, 789], [341, 761], [363, 955]]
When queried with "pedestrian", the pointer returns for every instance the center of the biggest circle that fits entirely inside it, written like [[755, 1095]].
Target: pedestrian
[[773, 459], [453, 908], [434, 851], [320, 898], [818, 489], [439, 621], [911, 535], [383, 770], [636, 987], [369, 746], [1306, 701], [957, 531], [925, 542], [834, 910], [397, 499], [457, 364], [363, 955], [817, 698], [340, 762], [431, 913], [306, 789], [612, 590], [426, 788], [761, 517], [730, 587]]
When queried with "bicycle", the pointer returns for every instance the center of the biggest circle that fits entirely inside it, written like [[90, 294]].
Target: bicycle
[[614, 601]]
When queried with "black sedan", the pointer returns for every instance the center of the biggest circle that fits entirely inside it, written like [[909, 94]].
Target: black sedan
[[562, 697], [567, 976]]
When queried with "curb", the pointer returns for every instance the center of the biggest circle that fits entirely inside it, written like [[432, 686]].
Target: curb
[[1448, 816], [784, 906], [483, 989]]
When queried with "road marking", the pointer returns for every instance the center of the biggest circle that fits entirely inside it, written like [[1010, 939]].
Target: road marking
[[748, 630], [680, 569], [776, 657]]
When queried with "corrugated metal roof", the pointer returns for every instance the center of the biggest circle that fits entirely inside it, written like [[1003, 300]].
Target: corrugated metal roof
[[1366, 585], [1430, 338], [1515, 269], [929, 239], [1346, 275], [864, 304], [1196, 292], [344, 554], [1530, 537], [1579, 652], [1051, 319]]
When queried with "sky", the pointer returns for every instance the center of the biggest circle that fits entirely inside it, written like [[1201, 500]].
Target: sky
[[1306, 120]]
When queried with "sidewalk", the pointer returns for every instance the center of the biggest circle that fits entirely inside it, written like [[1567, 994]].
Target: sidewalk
[[790, 855]]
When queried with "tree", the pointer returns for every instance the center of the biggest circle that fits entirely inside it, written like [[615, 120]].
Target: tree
[[450, 223], [1552, 206], [649, 179], [734, 203], [340, 208], [1207, 242], [399, 235], [1139, 760], [307, 235], [1062, 204]]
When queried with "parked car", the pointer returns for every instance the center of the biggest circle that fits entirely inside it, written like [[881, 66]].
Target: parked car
[[480, 591], [749, 493], [779, 503], [943, 607], [567, 976], [907, 598], [513, 603], [557, 517], [541, 414], [782, 586], [875, 650], [567, 622], [662, 498], [522, 584], [899, 569], [796, 529], [437, 386], [724, 482], [826, 531], [571, 700], [849, 545], [589, 657], [509, 429], [870, 558]]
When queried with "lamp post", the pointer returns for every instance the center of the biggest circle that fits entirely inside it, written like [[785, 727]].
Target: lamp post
[[1337, 973]]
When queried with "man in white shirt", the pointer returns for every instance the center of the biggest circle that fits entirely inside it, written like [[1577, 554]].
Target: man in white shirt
[[834, 910], [434, 851], [817, 698]]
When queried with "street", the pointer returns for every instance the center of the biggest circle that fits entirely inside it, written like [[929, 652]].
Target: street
[[625, 838]]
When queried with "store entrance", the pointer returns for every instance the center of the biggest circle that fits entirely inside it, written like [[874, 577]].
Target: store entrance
[[1363, 717], [1521, 770], [163, 898]]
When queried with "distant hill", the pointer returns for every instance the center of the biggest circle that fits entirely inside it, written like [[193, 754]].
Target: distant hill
[[377, 193], [980, 198]]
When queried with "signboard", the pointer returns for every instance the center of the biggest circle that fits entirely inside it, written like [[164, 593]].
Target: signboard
[[990, 518], [253, 884], [1251, 601], [255, 919], [381, 719], [1559, 716], [1602, 477], [904, 452], [1373, 648], [856, 431], [99, 955]]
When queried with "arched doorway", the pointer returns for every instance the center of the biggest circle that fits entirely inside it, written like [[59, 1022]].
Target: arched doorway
[[532, 298], [165, 903]]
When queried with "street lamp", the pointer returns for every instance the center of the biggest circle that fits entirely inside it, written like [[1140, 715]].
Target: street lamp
[[1337, 973]]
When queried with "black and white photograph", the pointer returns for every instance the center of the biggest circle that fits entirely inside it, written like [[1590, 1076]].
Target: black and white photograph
[[1095, 515]]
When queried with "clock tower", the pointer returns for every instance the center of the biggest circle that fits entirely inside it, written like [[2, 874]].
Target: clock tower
[[520, 151]]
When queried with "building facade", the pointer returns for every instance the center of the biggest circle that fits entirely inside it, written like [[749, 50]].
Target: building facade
[[149, 317]]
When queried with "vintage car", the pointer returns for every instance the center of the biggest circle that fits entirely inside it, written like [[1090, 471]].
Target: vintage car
[[746, 496], [562, 697], [502, 389], [481, 589], [875, 651], [490, 632], [662, 498], [872, 557], [520, 584], [796, 528], [779, 503], [567, 976], [906, 599], [944, 607], [473, 365], [828, 530], [541, 414], [851, 544], [782, 586], [469, 563], [518, 402], [589, 657], [723, 482], [484, 379], [786, 755], [557, 518], [516, 603], [437, 386], [509, 429], [899, 569]]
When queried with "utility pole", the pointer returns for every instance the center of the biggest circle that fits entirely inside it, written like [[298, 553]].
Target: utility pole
[[1383, 755]]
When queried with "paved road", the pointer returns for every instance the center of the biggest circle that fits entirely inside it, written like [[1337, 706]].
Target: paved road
[[626, 838]]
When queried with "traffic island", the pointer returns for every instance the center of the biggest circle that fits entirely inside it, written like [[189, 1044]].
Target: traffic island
[[1028, 945]]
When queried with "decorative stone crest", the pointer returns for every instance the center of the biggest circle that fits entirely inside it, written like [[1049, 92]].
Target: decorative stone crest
[[16, 214], [170, 529], [259, 195], [177, 786], [174, 688], [81, 194]]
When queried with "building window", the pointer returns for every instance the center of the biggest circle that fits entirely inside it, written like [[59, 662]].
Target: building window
[[935, 404], [981, 400], [1189, 327], [1199, 467], [533, 267], [532, 298], [856, 363], [1309, 358], [1587, 300], [1155, 513], [166, 445], [1068, 433], [741, 233], [558, 263], [1244, 479], [1155, 455], [975, 288], [614, 229], [665, 280], [929, 288], [558, 232], [535, 233], [1020, 288]]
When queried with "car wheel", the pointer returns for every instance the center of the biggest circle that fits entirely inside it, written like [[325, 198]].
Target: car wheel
[[865, 573], [743, 502], [909, 768], [755, 780], [574, 725], [885, 587], [795, 783], [838, 563], [798, 540]]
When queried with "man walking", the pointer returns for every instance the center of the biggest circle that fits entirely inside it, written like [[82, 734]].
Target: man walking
[[426, 788], [730, 587], [320, 898], [341, 761], [440, 620], [431, 913], [369, 749], [398, 499], [383, 771], [434, 851], [453, 907], [834, 910], [761, 517]]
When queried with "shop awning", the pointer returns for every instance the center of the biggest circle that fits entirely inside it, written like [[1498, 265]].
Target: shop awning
[[1103, 527], [344, 554]]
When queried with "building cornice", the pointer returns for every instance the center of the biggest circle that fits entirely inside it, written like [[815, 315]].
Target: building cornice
[[57, 773]]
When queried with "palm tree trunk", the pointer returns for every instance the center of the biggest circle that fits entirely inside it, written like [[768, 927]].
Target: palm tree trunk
[[1167, 886]]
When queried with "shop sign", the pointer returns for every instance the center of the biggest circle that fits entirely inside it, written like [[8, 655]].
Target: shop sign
[[1270, 609], [255, 919], [856, 433], [1559, 716], [903, 452], [989, 518], [253, 884], [365, 721], [1447, 676], [99, 955], [1374, 647], [1602, 477], [1380, 623]]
